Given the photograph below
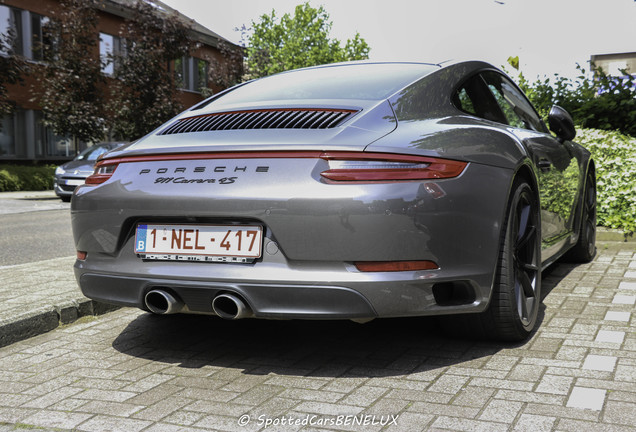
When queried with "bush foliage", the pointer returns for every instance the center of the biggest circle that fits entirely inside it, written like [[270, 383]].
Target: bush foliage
[[597, 100], [615, 158], [26, 178]]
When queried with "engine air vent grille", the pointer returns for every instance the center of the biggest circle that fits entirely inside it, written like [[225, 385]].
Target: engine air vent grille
[[292, 118]]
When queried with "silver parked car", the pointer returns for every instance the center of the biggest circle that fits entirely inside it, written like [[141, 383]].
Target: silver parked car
[[346, 191], [72, 174]]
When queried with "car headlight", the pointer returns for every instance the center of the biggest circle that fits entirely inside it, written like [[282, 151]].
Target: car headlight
[[59, 170]]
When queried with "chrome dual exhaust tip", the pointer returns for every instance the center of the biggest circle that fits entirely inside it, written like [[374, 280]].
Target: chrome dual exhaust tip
[[162, 303], [230, 307]]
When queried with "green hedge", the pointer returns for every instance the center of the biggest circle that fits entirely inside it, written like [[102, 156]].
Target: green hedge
[[26, 177], [615, 158]]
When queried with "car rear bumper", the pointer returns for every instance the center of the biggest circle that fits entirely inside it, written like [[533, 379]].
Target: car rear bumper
[[275, 288], [64, 187]]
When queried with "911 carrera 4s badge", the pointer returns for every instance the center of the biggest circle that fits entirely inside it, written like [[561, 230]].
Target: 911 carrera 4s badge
[[185, 180], [214, 243]]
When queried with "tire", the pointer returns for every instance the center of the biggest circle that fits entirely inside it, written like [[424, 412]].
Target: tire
[[585, 248], [65, 198], [514, 305]]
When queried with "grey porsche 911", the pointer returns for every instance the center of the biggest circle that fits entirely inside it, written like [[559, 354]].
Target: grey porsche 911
[[346, 191]]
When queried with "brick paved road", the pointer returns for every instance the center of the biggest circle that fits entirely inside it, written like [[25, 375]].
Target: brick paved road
[[130, 371]]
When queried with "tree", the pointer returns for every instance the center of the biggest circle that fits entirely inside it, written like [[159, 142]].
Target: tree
[[144, 91], [296, 41], [73, 98], [226, 71], [12, 67]]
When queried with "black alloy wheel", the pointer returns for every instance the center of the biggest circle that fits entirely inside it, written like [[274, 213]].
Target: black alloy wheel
[[526, 273], [516, 296], [585, 248]]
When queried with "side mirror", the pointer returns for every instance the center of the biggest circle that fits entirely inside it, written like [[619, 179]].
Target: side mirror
[[561, 123]]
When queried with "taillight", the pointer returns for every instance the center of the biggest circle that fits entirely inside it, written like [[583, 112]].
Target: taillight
[[103, 171], [379, 167]]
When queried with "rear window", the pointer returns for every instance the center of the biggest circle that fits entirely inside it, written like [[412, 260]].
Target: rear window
[[361, 81]]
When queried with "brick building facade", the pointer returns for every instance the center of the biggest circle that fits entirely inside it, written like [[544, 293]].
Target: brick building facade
[[23, 135]]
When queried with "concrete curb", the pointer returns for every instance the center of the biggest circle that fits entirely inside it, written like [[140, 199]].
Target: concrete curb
[[609, 235], [29, 195], [45, 319]]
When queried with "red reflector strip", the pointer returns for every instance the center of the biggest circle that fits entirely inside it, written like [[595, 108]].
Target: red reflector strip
[[394, 266], [362, 175], [81, 255]]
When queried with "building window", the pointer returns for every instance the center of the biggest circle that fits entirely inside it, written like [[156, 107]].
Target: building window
[[7, 137], [191, 73], [12, 135], [40, 40], [47, 144], [11, 28], [27, 31], [110, 48]]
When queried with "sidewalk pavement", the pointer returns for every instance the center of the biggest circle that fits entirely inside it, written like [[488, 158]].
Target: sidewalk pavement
[[38, 297], [134, 372], [28, 201]]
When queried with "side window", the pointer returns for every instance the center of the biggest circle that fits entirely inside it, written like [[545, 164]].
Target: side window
[[492, 96], [515, 107], [475, 98], [464, 102]]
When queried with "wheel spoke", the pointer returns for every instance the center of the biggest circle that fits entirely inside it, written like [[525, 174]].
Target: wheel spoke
[[529, 267], [528, 289], [522, 306], [529, 235], [591, 199], [524, 216]]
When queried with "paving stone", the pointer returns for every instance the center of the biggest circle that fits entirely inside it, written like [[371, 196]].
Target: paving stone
[[627, 286], [587, 398], [501, 411], [559, 385], [468, 425], [620, 413], [624, 299], [363, 395], [56, 419], [180, 417], [129, 371], [101, 423], [476, 397], [560, 411], [534, 423], [411, 422], [523, 372], [600, 363], [617, 316], [569, 425]]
